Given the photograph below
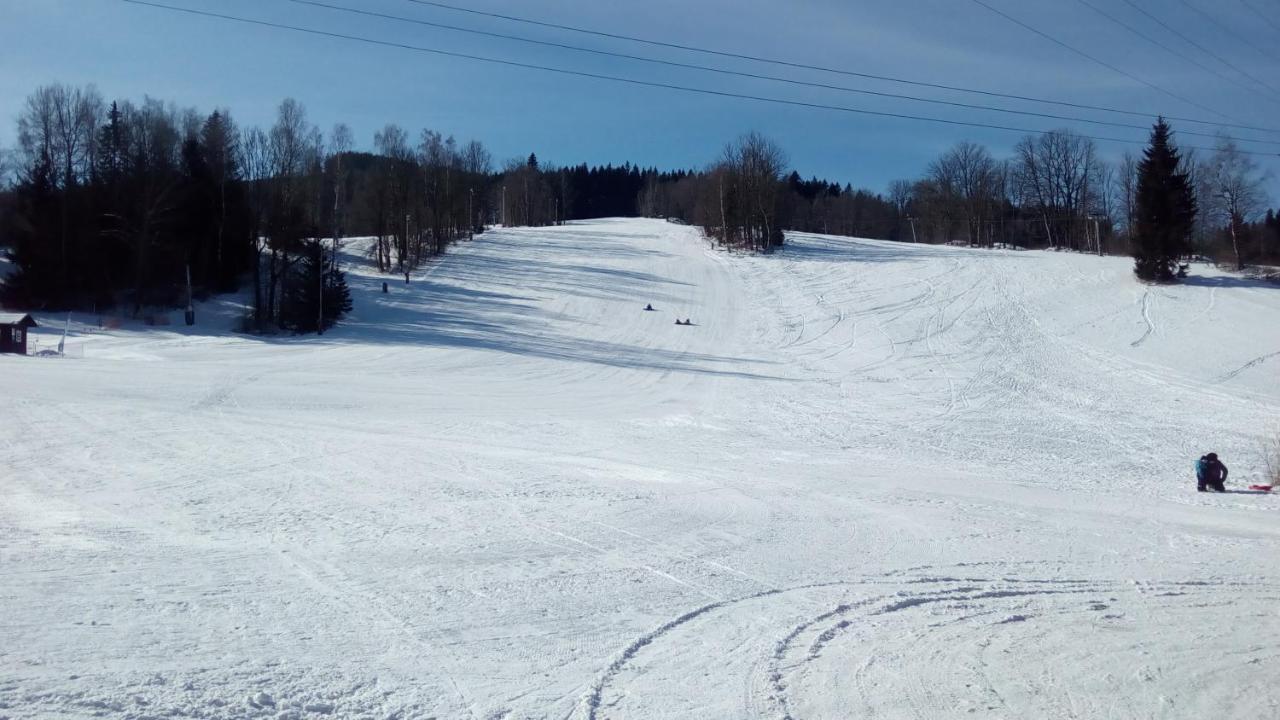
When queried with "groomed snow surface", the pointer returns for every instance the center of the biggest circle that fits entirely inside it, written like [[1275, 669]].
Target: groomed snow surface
[[872, 480]]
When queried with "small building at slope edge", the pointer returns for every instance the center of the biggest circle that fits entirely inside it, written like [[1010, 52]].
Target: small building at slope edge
[[13, 332]]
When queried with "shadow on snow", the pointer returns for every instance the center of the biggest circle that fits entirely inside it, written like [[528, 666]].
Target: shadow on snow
[[508, 316]]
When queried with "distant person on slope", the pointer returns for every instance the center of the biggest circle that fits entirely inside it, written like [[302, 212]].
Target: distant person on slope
[[1210, 473]]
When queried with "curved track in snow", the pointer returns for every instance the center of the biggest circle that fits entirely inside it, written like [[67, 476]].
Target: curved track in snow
[[949, 642]]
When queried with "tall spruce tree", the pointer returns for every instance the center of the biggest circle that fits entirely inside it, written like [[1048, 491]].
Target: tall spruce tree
[[1166, 209]]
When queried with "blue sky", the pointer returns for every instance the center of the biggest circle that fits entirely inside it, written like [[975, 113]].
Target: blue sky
[[130, 51]]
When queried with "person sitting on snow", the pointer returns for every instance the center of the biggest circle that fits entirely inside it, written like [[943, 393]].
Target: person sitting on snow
[[1210, 473], [648, 308]]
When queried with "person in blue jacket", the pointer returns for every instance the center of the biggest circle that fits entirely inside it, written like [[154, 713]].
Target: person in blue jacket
[[1210, 473]]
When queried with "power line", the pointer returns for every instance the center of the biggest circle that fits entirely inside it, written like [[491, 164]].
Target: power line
[[736, 73], [821, 68], [1226, 29], [1192, 42], [1259, 13], [632, 81], [1103, 63], [1180, 55]]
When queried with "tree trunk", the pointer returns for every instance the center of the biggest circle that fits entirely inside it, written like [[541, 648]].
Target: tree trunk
[[222, 222], [724, 227], [282, 279], [140, 260], [257, 282], [1235, 244], [271, 286]]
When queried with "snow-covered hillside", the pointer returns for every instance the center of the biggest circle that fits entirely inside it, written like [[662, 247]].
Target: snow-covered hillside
[[871, 480]]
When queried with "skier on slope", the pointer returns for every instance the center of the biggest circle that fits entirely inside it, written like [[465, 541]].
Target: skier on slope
[[1210, 473]]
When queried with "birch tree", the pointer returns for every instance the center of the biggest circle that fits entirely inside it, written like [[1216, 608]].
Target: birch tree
[[1235, 189]]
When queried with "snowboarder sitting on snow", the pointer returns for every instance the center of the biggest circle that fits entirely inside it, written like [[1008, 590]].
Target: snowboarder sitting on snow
[[1210, 473], [648, 308]]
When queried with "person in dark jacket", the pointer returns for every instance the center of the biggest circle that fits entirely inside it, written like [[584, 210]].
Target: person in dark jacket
[[1210, 473]]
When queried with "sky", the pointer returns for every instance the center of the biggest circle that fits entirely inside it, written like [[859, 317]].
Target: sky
[[130, 51]]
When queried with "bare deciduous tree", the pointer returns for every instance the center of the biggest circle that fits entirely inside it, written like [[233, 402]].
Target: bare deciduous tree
[[526, 197], [395, 182], [438, 158], [1126, 188], [476, 163], [749, 189], [255, 163], [1056, 174], [341, 142], [58, 125], [901, 193], [154, 148], [292, 145], [56, 128], [1235, 191], [6, 166], [967, 181]]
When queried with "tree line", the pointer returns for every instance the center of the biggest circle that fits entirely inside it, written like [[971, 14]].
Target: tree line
[[134, 206], [1054, 191], [139, 205], [149, 205], [746, 199]]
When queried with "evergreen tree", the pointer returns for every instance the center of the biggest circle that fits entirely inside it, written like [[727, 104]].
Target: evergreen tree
[[219, 147], [112, 149], [195, 216], [109, 265], [1166, 209], [28, 232], [302, 310]]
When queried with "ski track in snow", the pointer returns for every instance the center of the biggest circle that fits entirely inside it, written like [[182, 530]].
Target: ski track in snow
[[1146, 319], [867, 622], [873, 480], [1252, 363]]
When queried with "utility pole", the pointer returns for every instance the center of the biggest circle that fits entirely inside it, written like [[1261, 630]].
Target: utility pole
[[1097, 234], [912, 220], [320, 297], [323, 266], [404, 249], [504, 204], [471, 218], [191, 310], [337, 206], [724, 227]]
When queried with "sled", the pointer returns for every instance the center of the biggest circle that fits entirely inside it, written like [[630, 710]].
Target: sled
[[1263, 488]]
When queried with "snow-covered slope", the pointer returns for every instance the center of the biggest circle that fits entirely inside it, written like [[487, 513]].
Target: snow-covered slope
[[871, 480]]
